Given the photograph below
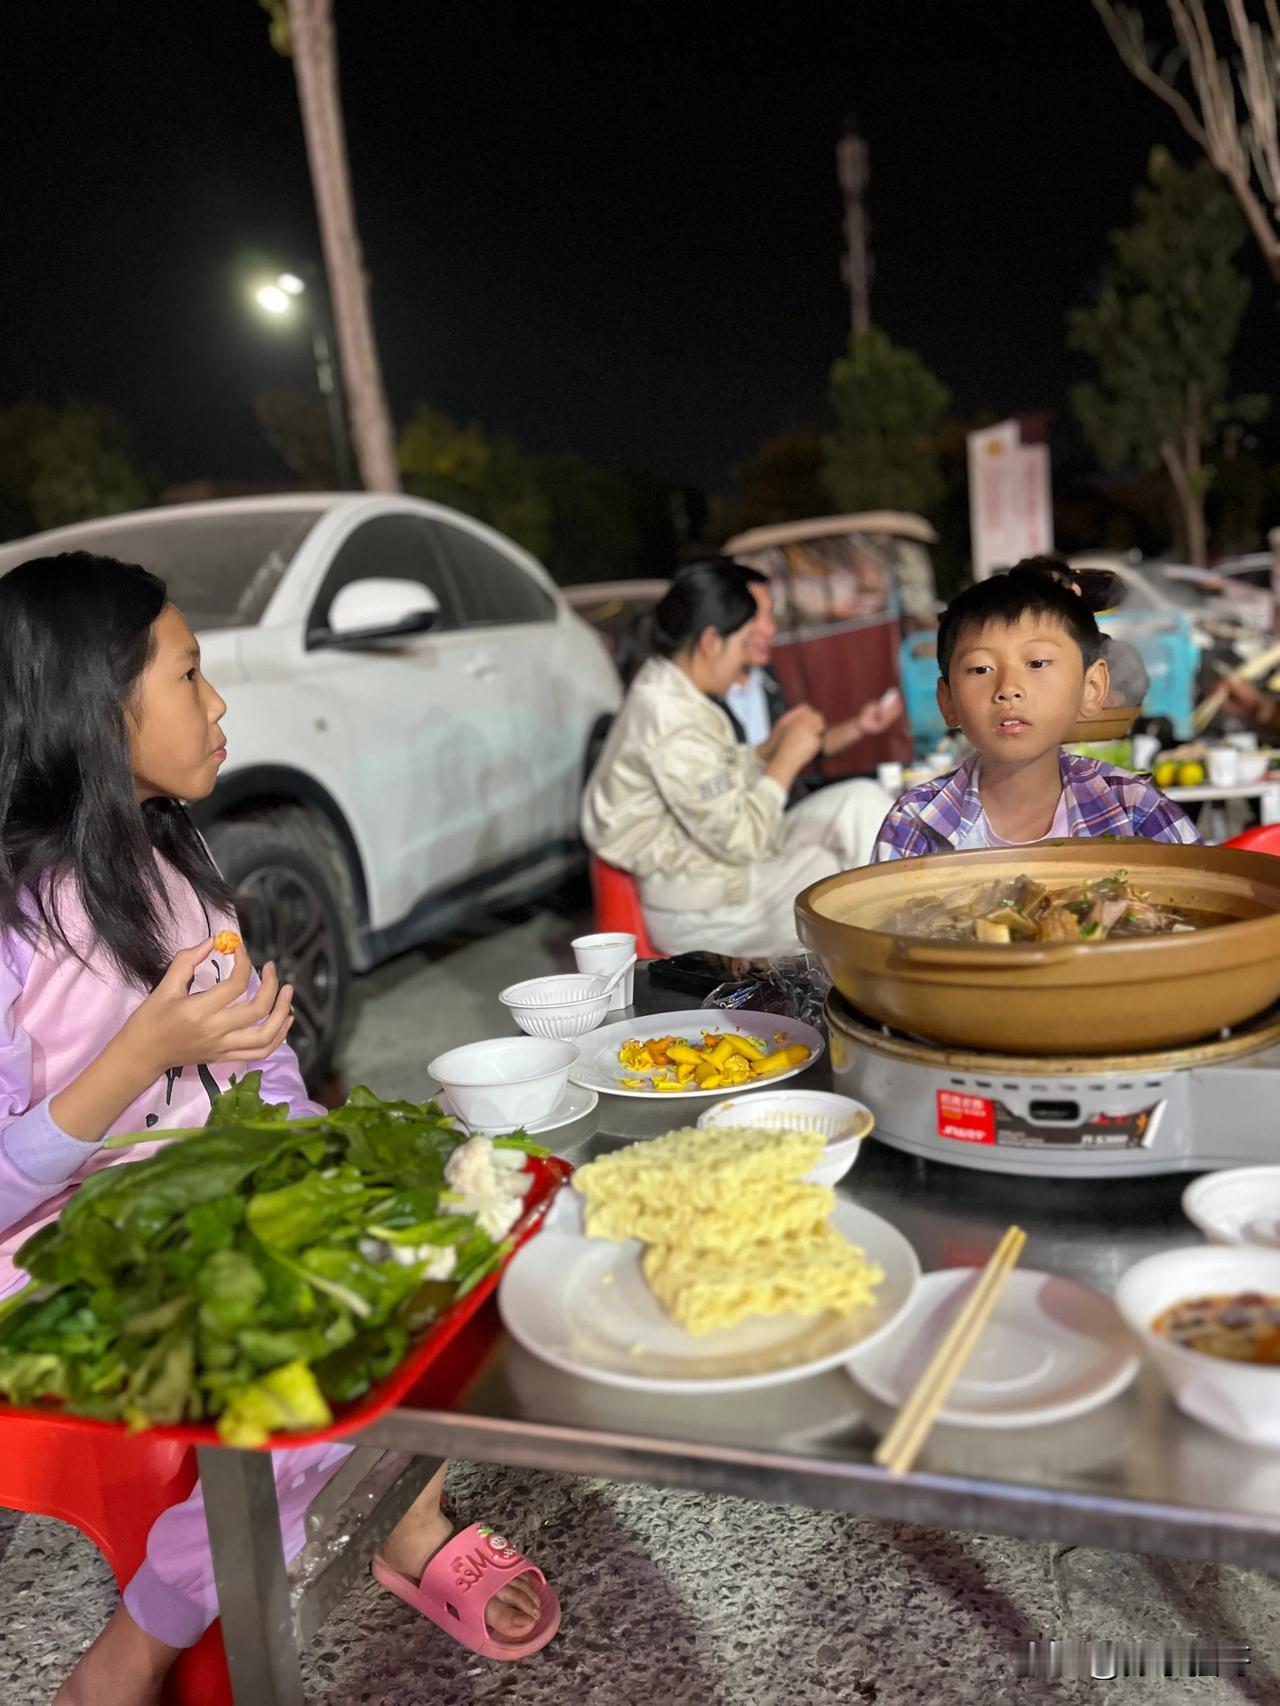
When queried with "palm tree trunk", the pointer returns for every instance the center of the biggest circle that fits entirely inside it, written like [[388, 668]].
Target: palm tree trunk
[[315, 66], [1190, 496]]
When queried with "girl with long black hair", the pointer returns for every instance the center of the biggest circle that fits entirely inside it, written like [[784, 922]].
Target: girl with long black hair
[[118, 1014]]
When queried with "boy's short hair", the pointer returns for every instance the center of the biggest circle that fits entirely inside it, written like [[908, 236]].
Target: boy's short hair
[[1038, 586]]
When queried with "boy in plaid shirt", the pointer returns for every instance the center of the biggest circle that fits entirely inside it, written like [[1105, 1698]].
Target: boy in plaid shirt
[[1020, 658]]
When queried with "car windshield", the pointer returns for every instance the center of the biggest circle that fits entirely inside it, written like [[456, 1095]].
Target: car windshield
[[221, 570]]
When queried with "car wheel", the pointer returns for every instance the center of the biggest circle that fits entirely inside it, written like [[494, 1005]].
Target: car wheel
[[289, 913]]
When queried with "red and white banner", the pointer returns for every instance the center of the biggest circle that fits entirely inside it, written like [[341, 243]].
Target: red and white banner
[[1010, 498]]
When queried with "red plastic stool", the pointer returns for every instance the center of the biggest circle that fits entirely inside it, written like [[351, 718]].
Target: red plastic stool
[[1262, 838], [618, 905], [112, 1487]]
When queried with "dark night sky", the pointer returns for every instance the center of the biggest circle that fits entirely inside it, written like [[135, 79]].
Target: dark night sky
[[607, 230]]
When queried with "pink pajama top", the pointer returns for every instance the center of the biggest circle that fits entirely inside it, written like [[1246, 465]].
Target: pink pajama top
[[56, 1017]]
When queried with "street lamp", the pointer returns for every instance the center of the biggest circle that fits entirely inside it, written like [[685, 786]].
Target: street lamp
[[279, 297], [272, 298]]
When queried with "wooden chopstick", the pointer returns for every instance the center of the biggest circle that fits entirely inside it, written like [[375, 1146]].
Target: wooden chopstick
[[898, 1449]]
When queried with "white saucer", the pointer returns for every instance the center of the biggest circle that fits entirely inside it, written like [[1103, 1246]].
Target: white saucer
[[1052, 1349], [573, 1105]]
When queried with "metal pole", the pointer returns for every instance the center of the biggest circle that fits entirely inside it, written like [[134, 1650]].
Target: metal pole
[[249, 1569], [332, 394], [853, 171]]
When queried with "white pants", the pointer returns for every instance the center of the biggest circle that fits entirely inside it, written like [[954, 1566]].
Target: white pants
[[833, 830]]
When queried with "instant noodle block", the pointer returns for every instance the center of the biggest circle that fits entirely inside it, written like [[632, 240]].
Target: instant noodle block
[[731, 1226], [800, 1275], [753, 1213], [691, 1169]]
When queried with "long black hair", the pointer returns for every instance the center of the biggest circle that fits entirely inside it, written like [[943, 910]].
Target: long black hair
[[714, 594], [75, 636], [1037, 586]]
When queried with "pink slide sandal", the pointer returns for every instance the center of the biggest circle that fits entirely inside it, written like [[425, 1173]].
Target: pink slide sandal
[[461, 1579]]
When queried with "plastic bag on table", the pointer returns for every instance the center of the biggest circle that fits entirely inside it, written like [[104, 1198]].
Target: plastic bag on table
[[795, 988]]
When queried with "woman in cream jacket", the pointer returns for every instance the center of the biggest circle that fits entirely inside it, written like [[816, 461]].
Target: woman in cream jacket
[[701, 820]]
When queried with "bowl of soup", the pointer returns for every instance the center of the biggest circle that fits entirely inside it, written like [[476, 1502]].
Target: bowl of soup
[[1092, 946], [1209, 1319]]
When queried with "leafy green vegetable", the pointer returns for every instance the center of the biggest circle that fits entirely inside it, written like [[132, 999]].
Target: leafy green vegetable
[[288, 1398], [253, 1271]]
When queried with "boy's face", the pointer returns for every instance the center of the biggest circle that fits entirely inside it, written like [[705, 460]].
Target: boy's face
[[1016, 690]]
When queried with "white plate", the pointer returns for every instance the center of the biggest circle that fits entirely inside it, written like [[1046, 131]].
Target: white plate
[[600, 1069], [573, 1104], [1052, 1349], [582, 1305]]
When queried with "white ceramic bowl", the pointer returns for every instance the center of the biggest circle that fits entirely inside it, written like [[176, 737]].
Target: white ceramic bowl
[[568, 1005], [500, 1084], [1241, 1399], [1251, 767], [1240, 1205], [842, 1121]]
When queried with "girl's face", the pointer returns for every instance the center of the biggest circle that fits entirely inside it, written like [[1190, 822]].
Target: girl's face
[[721, 660], [176, 746]]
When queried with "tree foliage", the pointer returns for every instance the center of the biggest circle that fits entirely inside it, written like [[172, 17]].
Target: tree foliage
[[888, 406], [592, 531], [490, 478], [59, 465], [1161, 332], [296, 426], [781, 482], [1221, 79]]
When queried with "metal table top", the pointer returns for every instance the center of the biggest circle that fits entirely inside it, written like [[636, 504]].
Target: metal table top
[[1134, 1475]]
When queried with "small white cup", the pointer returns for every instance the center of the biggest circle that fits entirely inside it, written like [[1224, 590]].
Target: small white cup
[[602, 955], [1145, 748], [1224, 766], [890, 777]]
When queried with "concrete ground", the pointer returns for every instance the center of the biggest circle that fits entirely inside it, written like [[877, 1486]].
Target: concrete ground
[[712, 1602]]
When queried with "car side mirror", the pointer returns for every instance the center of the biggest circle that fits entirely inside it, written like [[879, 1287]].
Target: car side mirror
[[378, 609]]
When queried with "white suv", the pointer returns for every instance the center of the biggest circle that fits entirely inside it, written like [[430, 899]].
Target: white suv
[[412, 711]]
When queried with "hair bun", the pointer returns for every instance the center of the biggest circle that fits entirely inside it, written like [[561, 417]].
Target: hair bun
[[1097, 589]]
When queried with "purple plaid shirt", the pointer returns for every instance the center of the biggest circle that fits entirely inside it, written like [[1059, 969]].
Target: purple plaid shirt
[[1101, 800]]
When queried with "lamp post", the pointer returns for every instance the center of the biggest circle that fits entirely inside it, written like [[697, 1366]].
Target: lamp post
[[289, 293]]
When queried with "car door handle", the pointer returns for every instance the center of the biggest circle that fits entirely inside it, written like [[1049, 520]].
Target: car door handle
[[481, 669]]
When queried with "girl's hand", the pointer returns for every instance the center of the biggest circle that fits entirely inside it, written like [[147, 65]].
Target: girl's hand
[[174, 1028]]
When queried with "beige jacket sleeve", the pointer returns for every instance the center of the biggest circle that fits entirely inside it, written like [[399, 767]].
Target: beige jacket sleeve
[[720, 796]]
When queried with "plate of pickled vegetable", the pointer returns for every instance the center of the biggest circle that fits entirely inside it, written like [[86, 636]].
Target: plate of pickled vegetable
[[694, 1052]]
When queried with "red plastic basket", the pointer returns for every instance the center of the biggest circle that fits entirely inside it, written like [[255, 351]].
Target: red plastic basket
[[548, 1175]]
